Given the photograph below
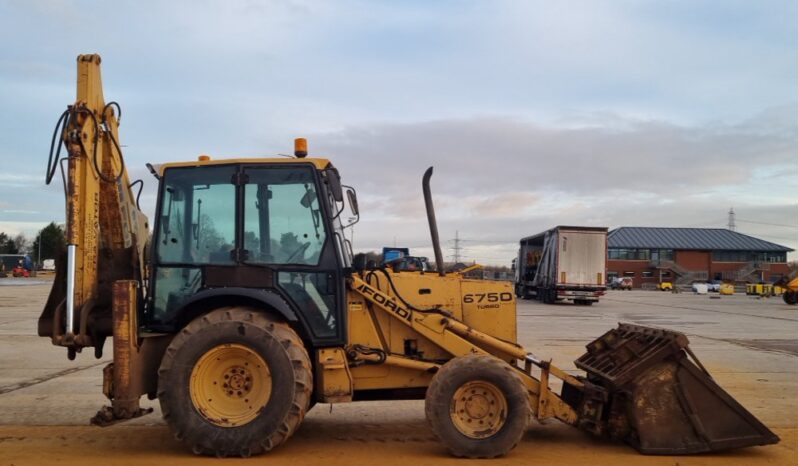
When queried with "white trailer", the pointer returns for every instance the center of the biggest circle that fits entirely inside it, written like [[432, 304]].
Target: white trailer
[[565, 263]]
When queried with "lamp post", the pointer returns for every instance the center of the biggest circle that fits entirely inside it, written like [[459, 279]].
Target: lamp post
[[39, 260]]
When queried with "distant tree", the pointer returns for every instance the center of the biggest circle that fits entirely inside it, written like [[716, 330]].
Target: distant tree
[[52, 242], [251, 241], [209, 238], [22, 243], [7, 244], [289, 242]]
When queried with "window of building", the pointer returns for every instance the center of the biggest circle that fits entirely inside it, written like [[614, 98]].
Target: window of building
[[748, 256], [666, 274], [733, 256], [611, 275], [628, 274], [647, 274], [777, 257], [628, 254]]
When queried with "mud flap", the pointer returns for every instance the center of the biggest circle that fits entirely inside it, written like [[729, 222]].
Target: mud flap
[[660, 399]]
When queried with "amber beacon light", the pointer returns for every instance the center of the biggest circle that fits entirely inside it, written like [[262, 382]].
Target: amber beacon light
[[300, 147]]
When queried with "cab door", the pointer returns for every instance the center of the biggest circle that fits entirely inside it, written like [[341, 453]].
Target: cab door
[[286, 227]]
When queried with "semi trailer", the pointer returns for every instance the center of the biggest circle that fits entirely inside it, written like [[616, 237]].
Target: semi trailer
[[564, 263]]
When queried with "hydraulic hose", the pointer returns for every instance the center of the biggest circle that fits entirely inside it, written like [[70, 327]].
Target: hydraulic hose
[[55, 152]]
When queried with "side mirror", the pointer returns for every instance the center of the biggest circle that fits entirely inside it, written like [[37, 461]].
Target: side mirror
[[350, 194], [334, 182]]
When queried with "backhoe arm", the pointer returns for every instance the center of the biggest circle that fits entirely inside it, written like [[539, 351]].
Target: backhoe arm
[[106, 231]]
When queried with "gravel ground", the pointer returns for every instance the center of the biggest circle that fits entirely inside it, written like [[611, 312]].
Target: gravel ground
[[749, 345]]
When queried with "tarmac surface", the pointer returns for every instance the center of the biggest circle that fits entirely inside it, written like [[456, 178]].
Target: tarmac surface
[[750, 346]]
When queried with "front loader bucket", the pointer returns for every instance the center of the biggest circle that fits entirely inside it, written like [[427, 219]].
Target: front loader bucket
[[644, 389]]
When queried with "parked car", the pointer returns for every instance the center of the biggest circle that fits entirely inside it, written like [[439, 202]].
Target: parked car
[[665, 286], [700, 288], [714, 286], [621, 283]]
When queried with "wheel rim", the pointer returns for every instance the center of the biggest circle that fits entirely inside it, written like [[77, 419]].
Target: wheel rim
[[230, 384], [479, 409]]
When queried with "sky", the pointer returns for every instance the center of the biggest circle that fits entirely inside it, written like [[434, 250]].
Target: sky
[[533, 113]]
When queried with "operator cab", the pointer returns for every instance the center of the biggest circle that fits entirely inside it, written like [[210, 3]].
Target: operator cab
[[242, 230]]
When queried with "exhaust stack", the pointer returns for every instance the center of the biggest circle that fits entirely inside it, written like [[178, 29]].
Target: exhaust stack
[[433, 224]]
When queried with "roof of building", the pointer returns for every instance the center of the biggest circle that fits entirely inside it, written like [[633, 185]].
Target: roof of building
[[688, 238]]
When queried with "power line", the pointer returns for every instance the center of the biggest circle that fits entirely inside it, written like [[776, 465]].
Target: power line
[[769, 224], [487, 241], [456, 248], [778, 237]]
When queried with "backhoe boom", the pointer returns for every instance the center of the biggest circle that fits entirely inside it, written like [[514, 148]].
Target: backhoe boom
[[105, 229]]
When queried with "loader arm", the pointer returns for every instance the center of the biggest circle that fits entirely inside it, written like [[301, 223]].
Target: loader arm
[[458, 339], [642, 385], [106, 232]]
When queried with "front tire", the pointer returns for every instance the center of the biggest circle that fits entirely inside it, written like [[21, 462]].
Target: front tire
[[235, 382], [790, 297], [478, 406]]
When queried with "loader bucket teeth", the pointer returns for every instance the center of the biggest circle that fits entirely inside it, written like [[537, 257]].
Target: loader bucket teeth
[[659, 398]]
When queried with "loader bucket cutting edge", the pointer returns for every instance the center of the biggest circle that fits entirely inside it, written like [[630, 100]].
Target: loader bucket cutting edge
[[642, 388]]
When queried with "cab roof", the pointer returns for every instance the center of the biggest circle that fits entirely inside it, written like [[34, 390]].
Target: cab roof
[[319, 163]]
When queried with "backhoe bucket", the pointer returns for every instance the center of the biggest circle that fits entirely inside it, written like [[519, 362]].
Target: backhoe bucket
[[644, 389]]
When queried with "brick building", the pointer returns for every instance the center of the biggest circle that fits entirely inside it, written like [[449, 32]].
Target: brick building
[[687, 255]]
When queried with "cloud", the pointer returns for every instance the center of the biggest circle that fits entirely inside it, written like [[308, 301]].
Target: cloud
[[502, 178], [533, 113]]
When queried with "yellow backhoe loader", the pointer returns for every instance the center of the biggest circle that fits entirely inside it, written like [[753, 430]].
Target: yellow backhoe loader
[[242, 306], [790, 285]]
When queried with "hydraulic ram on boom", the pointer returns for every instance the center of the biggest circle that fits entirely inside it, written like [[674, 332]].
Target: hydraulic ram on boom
[[106, 232]]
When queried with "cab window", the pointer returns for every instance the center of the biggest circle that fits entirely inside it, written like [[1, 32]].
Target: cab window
[[282, 216], [197, 217]]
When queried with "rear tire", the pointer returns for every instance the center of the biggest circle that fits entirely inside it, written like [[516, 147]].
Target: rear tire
[[262, 410], [790, 297], [478, 406]]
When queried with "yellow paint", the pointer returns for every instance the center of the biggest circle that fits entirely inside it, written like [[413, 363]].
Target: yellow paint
[[759, 289], [100, 214], [320, 164], [333, 379], [230, 384], [479, 409], [436, 330]]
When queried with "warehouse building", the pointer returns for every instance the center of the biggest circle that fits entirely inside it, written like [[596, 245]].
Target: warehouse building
[[685, 255]]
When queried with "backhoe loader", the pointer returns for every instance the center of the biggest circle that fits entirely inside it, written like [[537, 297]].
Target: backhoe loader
[[242, 305], [790, 285]]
